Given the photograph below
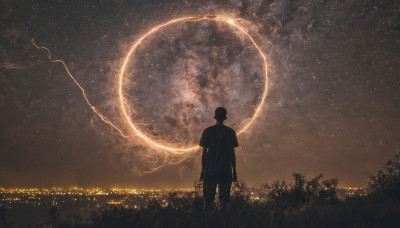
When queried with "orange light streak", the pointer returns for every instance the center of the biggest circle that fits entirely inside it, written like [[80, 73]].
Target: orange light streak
[[102, 117], [164, 145]]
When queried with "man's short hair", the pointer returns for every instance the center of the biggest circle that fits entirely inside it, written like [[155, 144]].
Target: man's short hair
[[220, 114]]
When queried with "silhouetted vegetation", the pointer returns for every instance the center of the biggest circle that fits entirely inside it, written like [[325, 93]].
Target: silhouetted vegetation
[[386, 183], [3, 217], [303, 191], [303, 203]]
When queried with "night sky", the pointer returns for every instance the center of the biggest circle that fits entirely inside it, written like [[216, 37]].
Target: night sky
[[333, 104]]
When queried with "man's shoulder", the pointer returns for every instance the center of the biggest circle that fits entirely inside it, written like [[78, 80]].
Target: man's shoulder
[[215, 127], [208, 128], [230, 129]]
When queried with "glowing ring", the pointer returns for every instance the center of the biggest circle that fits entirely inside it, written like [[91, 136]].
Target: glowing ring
[[177, 150]]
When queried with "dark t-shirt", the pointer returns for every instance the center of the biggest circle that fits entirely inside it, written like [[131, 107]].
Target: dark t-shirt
[[220, 141]]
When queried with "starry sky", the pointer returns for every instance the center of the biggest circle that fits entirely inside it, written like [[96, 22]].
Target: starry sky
[[333, 104]]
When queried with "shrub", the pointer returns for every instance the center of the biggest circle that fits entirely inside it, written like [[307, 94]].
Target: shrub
[[302, 191], [386, 184]]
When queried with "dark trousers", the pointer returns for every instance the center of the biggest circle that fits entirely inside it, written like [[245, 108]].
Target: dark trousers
[[224, 188]]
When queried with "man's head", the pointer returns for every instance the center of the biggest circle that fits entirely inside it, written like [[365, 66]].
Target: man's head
[[220, 114]]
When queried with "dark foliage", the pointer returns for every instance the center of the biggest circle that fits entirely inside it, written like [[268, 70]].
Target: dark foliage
[[3, 222], [303, 191], [386, 184], [305, 203]]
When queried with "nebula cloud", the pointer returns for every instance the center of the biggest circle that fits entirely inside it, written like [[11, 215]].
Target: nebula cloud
[[176, 81], [332, 103]]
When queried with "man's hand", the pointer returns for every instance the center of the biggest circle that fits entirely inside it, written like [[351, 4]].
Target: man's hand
[[202, 176], [234, 176]]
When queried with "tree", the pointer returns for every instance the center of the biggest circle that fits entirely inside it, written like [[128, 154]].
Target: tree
[[386, 183], [303, 191]]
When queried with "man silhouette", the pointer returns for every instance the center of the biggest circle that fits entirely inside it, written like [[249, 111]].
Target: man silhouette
[[218, 160]]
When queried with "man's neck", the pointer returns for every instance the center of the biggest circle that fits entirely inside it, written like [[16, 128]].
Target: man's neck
[[220, 123]]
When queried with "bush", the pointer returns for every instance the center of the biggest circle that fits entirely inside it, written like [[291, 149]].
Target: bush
[[302, 191], [305, 203], [386, 184]]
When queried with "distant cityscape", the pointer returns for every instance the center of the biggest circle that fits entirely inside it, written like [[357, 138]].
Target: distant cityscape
[[127, 197], [25, 207]]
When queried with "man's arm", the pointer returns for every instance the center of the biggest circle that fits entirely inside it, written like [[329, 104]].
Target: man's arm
[[203, 162], [233, 158], [233, 163], [203, 143]]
